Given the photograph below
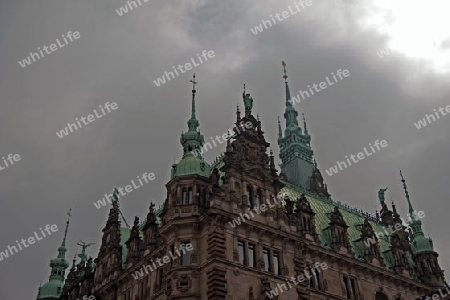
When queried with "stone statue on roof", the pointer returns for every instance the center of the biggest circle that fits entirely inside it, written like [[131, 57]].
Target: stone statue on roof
[[83, 245], [381, 194], [248, 102]]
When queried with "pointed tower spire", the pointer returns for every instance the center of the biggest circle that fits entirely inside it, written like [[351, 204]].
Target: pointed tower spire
[[53, 288], [295, 150], [62, 250], [290, 113], [193, 122]]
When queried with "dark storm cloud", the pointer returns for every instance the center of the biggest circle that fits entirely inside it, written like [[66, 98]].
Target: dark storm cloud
[[118, 57]]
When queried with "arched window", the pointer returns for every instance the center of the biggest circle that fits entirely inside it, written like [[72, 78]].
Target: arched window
[[249, 195], [381, 296]]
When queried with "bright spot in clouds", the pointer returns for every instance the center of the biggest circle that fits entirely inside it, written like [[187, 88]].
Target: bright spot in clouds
[[418, 29]]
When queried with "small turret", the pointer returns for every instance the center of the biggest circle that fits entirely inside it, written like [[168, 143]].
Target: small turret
[[424, 256], [53, 288]]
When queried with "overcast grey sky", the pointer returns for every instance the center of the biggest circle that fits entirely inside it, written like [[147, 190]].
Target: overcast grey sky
[[117, 58]]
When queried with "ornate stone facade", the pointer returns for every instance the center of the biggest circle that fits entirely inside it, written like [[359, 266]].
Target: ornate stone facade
[[284, 229]]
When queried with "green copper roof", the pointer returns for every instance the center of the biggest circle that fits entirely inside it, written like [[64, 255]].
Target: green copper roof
[[190, 164], [354, 219], [192, 142]]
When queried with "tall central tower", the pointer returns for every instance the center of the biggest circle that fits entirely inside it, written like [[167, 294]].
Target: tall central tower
[[295, 151]]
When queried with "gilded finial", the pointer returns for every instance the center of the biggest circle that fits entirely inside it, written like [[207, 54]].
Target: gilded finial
[[284, 70]]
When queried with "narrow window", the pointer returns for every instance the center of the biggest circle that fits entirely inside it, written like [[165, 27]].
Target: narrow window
[[249, 195], [197, 196], [258, 198], [276, 263], [184, 197], [352, 283], [241, 252], [190, 196], [319, 279], [251, 256], [186, 255], [266, 260], [141, 289], [160, 278], [429, 266], [311, 277], [172, 249], [347, 290]]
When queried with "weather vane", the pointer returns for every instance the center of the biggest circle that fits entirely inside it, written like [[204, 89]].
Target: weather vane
[[193, 82], [284, 70]]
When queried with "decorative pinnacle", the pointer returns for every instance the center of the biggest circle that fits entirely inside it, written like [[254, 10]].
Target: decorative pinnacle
[[193, 97], [67, 227], [284, 70], [411, 210], [304, 124], [193, 83]]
